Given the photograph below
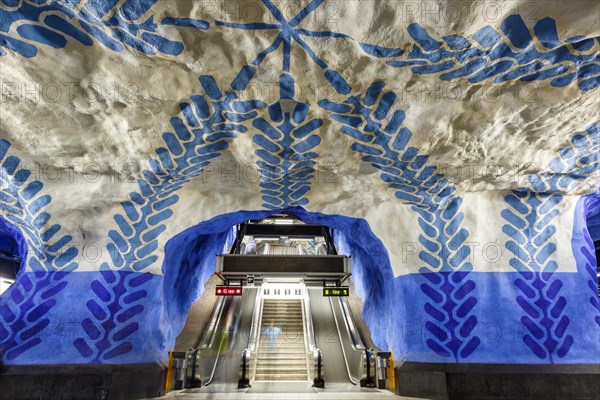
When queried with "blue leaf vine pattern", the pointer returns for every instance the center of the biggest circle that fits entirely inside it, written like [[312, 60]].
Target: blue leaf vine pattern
[[283, 182], [590, 269], [486, 54], [51, 23], [24, 306], [23, 310], [22, 204], [118, 298], [376, 131], [286, 142], [201, 133], [489, 54], [529, 217]]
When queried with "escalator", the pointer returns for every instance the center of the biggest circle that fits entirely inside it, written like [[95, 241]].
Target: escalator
[[216, 359], [345, 358], [303, 340], [280, 335]]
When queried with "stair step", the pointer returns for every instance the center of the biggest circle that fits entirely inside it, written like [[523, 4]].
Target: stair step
[[281, 371], [277, 321], [283, 307], [285, 339], [296, 350], [281, 377], [283, 325], [281, 344], [287, 362], [274, 343], [283, 350], [281, 356], [295, 360], [297, 368], [287, 366]]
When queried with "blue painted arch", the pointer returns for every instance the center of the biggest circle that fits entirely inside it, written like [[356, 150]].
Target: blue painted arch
[[190, 261], [13, 242]]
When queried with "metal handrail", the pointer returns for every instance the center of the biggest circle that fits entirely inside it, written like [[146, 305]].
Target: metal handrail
[[207, 338], [319, 380], [235, 311], [256, 338], [247, 354], [244, 381], [211, 329], [317, 373], [337, 325], [367, 359], [356, 343]]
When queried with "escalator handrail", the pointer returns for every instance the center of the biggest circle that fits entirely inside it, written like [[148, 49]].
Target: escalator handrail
[[256, 319], [256, 342], [309, 335], [356, 340], [337, 325], [349, 321], [211, 329], [233, 316], [318, 365], [244, 381], [247, 354], [207, 337]]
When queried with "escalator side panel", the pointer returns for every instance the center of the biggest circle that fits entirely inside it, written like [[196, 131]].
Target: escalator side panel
[[235, 341], [326, 338], [208, 356], [353, 357]]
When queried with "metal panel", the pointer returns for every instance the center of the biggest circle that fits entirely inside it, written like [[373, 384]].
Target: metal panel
[[275, 230], [239, 264]]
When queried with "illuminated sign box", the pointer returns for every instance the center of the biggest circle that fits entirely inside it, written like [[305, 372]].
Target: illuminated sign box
[[228, 291], [336, 291]]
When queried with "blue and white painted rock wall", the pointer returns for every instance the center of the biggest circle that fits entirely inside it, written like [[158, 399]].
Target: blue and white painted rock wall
[[452, 150]]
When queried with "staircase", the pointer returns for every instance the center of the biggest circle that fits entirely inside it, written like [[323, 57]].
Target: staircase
[[281, 353]]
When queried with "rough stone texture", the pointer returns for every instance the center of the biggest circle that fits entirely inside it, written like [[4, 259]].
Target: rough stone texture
[[451, 155]]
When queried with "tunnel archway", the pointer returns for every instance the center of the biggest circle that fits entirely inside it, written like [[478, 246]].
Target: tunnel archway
[[586, 247], [13, 254], [190, 262], [592, 216]]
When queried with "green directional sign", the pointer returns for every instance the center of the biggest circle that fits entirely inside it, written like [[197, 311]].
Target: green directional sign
[[336, 291]]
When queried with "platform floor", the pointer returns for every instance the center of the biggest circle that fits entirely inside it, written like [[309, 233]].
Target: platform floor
[[280, 391]]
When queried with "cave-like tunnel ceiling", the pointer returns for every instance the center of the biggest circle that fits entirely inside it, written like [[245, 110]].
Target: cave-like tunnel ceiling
[[465, 134]]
